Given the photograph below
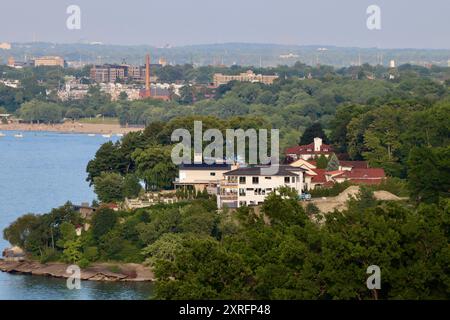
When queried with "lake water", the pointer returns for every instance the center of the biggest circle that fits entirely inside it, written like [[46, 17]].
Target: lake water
[[38, 172]]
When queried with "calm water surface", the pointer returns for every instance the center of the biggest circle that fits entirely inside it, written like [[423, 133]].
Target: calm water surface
[[38, 172]]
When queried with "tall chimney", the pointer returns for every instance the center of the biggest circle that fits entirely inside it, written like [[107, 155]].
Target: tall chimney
[[148, 91], [317, 144]]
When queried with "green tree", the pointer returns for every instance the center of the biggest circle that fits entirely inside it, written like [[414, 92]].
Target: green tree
[[333, 163], [109, 187], [321, 162], [131, 186], [103, 221], [314, 131], [429, 174]]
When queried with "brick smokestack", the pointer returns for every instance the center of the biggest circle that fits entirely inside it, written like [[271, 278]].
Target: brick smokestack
[[148, 91]]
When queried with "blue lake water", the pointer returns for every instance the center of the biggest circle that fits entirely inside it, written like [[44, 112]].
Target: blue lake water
[[38, 172]]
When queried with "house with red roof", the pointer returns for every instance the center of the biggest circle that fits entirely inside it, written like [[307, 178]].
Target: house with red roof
[[361, 176], [309, 151], [350, 165]]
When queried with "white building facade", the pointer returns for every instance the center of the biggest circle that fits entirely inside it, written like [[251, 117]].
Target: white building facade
[[250, 186]]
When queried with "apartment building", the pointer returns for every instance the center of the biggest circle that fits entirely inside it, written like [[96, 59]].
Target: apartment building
[[248, 76], [108, 73], [251, 185], [49, 61]]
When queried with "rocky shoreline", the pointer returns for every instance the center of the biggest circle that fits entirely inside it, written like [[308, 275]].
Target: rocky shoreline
[[131, 272]]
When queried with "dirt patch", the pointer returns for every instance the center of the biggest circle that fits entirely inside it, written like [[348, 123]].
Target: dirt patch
[[329, 204]]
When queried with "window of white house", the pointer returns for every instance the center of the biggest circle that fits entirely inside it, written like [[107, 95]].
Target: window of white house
[[213, 174], [268, 178], [255, 180], [242, 180], [286, 179]]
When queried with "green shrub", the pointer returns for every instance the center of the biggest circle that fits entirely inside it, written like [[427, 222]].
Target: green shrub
[[84, 263], [90, 254], [49, 255], [393, 185], [335, 190]]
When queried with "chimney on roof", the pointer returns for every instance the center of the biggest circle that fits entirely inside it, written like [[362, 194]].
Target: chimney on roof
[[317, 144]]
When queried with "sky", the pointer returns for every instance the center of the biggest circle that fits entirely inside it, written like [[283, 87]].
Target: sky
[[404, 23]]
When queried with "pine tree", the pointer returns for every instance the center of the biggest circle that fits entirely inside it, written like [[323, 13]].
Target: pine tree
[[314, 131], [333, 163]]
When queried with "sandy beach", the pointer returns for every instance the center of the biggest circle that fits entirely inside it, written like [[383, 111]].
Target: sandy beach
[[70, 127]]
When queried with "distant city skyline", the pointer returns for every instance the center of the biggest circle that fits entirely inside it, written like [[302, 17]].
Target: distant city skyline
[[404, 23]]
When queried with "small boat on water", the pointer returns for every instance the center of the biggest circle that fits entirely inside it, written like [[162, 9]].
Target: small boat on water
[[106, 135], [119, 134], [18, 135], [91, 135], [2, 134]]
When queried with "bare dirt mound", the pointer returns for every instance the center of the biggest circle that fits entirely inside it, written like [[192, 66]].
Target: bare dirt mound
[[385, 195], [329, 204]]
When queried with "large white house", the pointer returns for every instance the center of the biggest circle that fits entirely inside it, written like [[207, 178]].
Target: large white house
[[251, 185], [201, 176]]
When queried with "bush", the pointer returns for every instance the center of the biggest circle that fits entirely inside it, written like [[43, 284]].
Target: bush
[[84, 263], [90, 254], [334, 191], [393, 185], [49, 255]]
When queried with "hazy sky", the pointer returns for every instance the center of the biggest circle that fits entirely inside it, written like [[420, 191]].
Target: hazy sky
[[405, 23]]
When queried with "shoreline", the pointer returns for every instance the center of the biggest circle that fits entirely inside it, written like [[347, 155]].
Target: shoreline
[[126, 272], [71, 127]]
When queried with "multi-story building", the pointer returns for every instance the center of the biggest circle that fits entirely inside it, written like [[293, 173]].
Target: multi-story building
[[201, 176], [112, 72], [108, 73], [49, 61], [248, 76], [251, 185]]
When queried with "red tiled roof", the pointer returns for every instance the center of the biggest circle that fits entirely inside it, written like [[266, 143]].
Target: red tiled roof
[[309, 149], [335, 172], [320, 177], [355, 164], [365, 174]]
